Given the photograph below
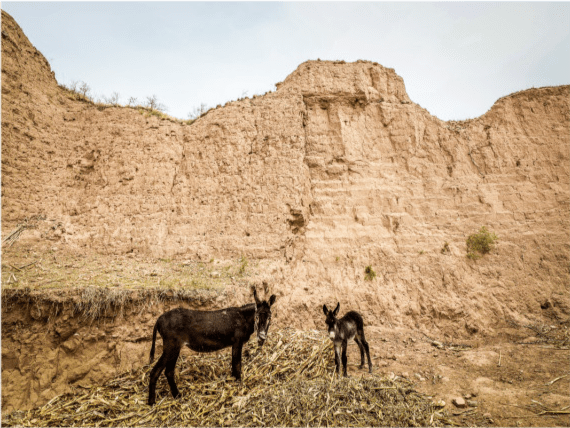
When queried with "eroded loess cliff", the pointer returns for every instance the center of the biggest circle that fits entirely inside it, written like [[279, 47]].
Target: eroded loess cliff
[[335, 171]]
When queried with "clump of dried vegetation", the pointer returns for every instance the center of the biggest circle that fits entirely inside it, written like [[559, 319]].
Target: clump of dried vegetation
[[288, 382], [480, 243], [550, 336]]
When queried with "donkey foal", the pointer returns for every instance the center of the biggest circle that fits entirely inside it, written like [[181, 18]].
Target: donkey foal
[[207, 331], [341, 331]]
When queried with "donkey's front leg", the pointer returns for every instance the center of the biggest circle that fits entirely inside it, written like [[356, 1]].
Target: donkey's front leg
[[236, 360], [344, 359], [337, 346]]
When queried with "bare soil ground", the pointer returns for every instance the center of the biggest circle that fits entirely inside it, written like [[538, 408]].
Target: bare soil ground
[[518, 377]]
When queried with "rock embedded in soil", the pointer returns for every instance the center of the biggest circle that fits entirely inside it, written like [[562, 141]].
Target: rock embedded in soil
[[459, 402]]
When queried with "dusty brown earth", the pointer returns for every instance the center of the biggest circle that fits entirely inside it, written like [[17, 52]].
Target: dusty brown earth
[[517, 376], [123, 213]]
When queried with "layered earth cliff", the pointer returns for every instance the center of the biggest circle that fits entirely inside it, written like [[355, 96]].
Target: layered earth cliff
[[335, 171]]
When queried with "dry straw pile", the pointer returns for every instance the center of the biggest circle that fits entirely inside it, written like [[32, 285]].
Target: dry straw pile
[[287, 382]]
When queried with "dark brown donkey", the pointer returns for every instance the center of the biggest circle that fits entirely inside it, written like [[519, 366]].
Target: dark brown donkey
[[341, 331], [207, 331]]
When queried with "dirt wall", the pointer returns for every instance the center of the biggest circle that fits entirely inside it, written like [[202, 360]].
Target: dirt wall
[[54, 341], [335, 171]]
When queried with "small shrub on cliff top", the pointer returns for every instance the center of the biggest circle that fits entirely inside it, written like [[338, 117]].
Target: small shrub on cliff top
[[198, 112], [480, 243], [152, 103], [369, 273], [78, 91]]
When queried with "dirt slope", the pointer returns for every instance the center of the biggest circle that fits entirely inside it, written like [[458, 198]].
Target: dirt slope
[[335, 171]]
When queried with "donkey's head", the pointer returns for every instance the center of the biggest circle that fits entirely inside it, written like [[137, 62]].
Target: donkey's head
[[262, 316], [332, 321]]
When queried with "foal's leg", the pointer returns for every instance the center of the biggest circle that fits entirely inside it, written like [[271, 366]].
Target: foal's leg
[[344, 359], [169, 372], [367, 349], [154, 375], [337, 346], [359, 343], [236, 360]]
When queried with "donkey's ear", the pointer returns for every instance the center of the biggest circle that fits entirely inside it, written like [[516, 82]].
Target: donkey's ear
[[272, 299], [253, 288], [336, 309], [325, 310]]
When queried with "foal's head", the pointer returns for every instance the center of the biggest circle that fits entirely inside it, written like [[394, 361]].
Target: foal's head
[[262, 316], [332, 321]]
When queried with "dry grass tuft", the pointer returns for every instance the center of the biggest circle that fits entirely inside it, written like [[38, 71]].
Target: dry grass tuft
[[93, 303], [551, 336], [288, 382]]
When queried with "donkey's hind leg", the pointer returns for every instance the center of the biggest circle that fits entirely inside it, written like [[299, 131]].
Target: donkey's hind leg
[[361, 347], [367, 349], [169, 372], [154, 375]]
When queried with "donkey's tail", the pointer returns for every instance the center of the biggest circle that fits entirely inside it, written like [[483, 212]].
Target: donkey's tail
[[153, 342]]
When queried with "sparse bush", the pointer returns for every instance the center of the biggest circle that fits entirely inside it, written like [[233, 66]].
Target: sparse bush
[[153, 104], [113, 99], [445, 249], [480, 243], [72, 86], [132, 101], [369, 273], [198, 112], [84, 89], [77, 90]]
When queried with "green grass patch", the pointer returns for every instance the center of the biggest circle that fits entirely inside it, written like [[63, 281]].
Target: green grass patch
[[480, 243], [369, 273]]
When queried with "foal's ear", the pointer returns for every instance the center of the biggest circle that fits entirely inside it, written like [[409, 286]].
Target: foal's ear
[[253, 288], [336, 309], [325, 310], [272, 299]]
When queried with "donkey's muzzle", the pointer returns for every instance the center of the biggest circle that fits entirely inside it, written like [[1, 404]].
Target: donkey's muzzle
[[261, 336]]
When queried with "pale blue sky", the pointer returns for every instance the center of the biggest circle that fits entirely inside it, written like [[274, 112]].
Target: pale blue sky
[[456, 58]]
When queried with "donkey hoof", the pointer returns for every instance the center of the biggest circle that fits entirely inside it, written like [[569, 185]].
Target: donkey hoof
[[361, 367]]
